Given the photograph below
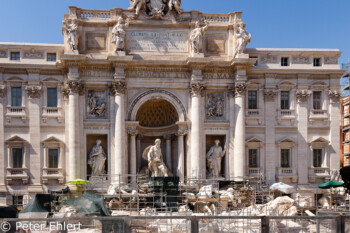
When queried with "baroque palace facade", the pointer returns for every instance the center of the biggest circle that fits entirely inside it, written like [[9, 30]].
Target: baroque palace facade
[[128, 77]]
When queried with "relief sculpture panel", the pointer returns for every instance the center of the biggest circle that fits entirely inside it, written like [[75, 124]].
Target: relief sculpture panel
[[215, 106], [96, 104]]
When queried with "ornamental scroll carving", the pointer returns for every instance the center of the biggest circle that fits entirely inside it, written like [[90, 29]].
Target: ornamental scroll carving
[[33, 54], [241, 88], [334, 95], [155, 9], [270, 95], [182, 132], [33, 92], [132, 131], [215, 106], [303, 95], [197, 88], [2, 91], [118, 87], [73, 87]]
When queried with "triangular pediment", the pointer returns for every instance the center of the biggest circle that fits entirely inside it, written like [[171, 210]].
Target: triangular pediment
[[16, 139], [52, 139], [254, 140], [287, 140], [320, 140]]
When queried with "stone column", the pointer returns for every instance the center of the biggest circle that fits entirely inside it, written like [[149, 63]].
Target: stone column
[[139, 152], [270, 141], [45, 156], [133, 132], [197, 88], [73, 88], [181, 157], [239, 141], [168, 151], [231, 159], [119, 162], [334, 112], [2, 137], [302, 96], [33, 92]]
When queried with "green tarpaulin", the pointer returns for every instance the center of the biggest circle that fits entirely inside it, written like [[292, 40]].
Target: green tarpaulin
[[331, 184], [41, 203], [89, 203]]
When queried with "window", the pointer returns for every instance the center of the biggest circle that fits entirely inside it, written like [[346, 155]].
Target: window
[[53, 158], [17, 201], [17, 157], [284, 61], [253, 158], [51, 57], [15, 56], [317, 100], [317, 61], [16, 96], [52, 97], [252, 100], [285, 100], [317, 157], [285, 158]]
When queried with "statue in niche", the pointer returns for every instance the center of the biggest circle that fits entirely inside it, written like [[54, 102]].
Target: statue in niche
[[214, 157], [136, 5], [97, 159], [72, 34], [215, 106], [96, 104], [118, 34], [242, 39], [176, 5], [153, 154], [196, 37]]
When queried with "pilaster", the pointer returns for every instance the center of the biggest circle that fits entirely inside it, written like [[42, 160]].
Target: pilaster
[[334, 112], [2, 136]]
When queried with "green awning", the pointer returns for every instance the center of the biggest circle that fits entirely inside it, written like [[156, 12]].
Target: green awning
[[79, 181], [331, 184]]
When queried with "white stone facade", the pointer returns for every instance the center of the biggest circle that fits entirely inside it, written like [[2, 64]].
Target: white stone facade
[[157, 89]]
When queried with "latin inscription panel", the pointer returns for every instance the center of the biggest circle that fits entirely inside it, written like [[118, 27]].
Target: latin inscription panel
[[174, 42]]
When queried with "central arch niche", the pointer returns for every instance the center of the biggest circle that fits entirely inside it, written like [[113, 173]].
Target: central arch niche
[[157, 113]]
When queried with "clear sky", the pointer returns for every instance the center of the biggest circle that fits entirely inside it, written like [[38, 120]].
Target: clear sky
[[272, 23]]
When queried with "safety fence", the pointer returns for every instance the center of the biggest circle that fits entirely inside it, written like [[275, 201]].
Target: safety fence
[[173, 224]]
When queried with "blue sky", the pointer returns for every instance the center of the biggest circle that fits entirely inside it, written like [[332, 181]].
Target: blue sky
[[272, 23]]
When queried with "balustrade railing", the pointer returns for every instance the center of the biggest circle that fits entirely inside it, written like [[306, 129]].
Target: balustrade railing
[[253, 112], [11, 110], [282, 171], [319, 171], [94, 14], [17, 171]]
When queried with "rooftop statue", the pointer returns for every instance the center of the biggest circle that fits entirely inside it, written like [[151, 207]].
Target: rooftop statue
[[155, 8], [196, 38], [72, 35], [242, 39], [118, 34], [153, 154]]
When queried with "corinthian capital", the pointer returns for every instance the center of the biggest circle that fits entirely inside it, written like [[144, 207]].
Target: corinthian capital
[[197, 88], [73, 87], [334, 95], [33, 92], [270, 95], [118, 87], [303, 95], [241, 88], [182, 132], [2, 91]]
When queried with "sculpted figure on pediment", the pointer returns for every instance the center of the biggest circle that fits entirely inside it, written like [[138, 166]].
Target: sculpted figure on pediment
[[196, 38], [118, 34], [136, 5], [175, 5], [72, 35], [242, 39]]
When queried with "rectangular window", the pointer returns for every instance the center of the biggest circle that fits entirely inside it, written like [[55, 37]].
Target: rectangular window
[[52, 97], [17, 158], [285, 100], [17, 201], [317, 157], [16, 96], [285, 158], [53, 158], [252, 100], [15, 56], [317, 100], [284, 61], [51, 57], [253, 158], [317, 61]]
